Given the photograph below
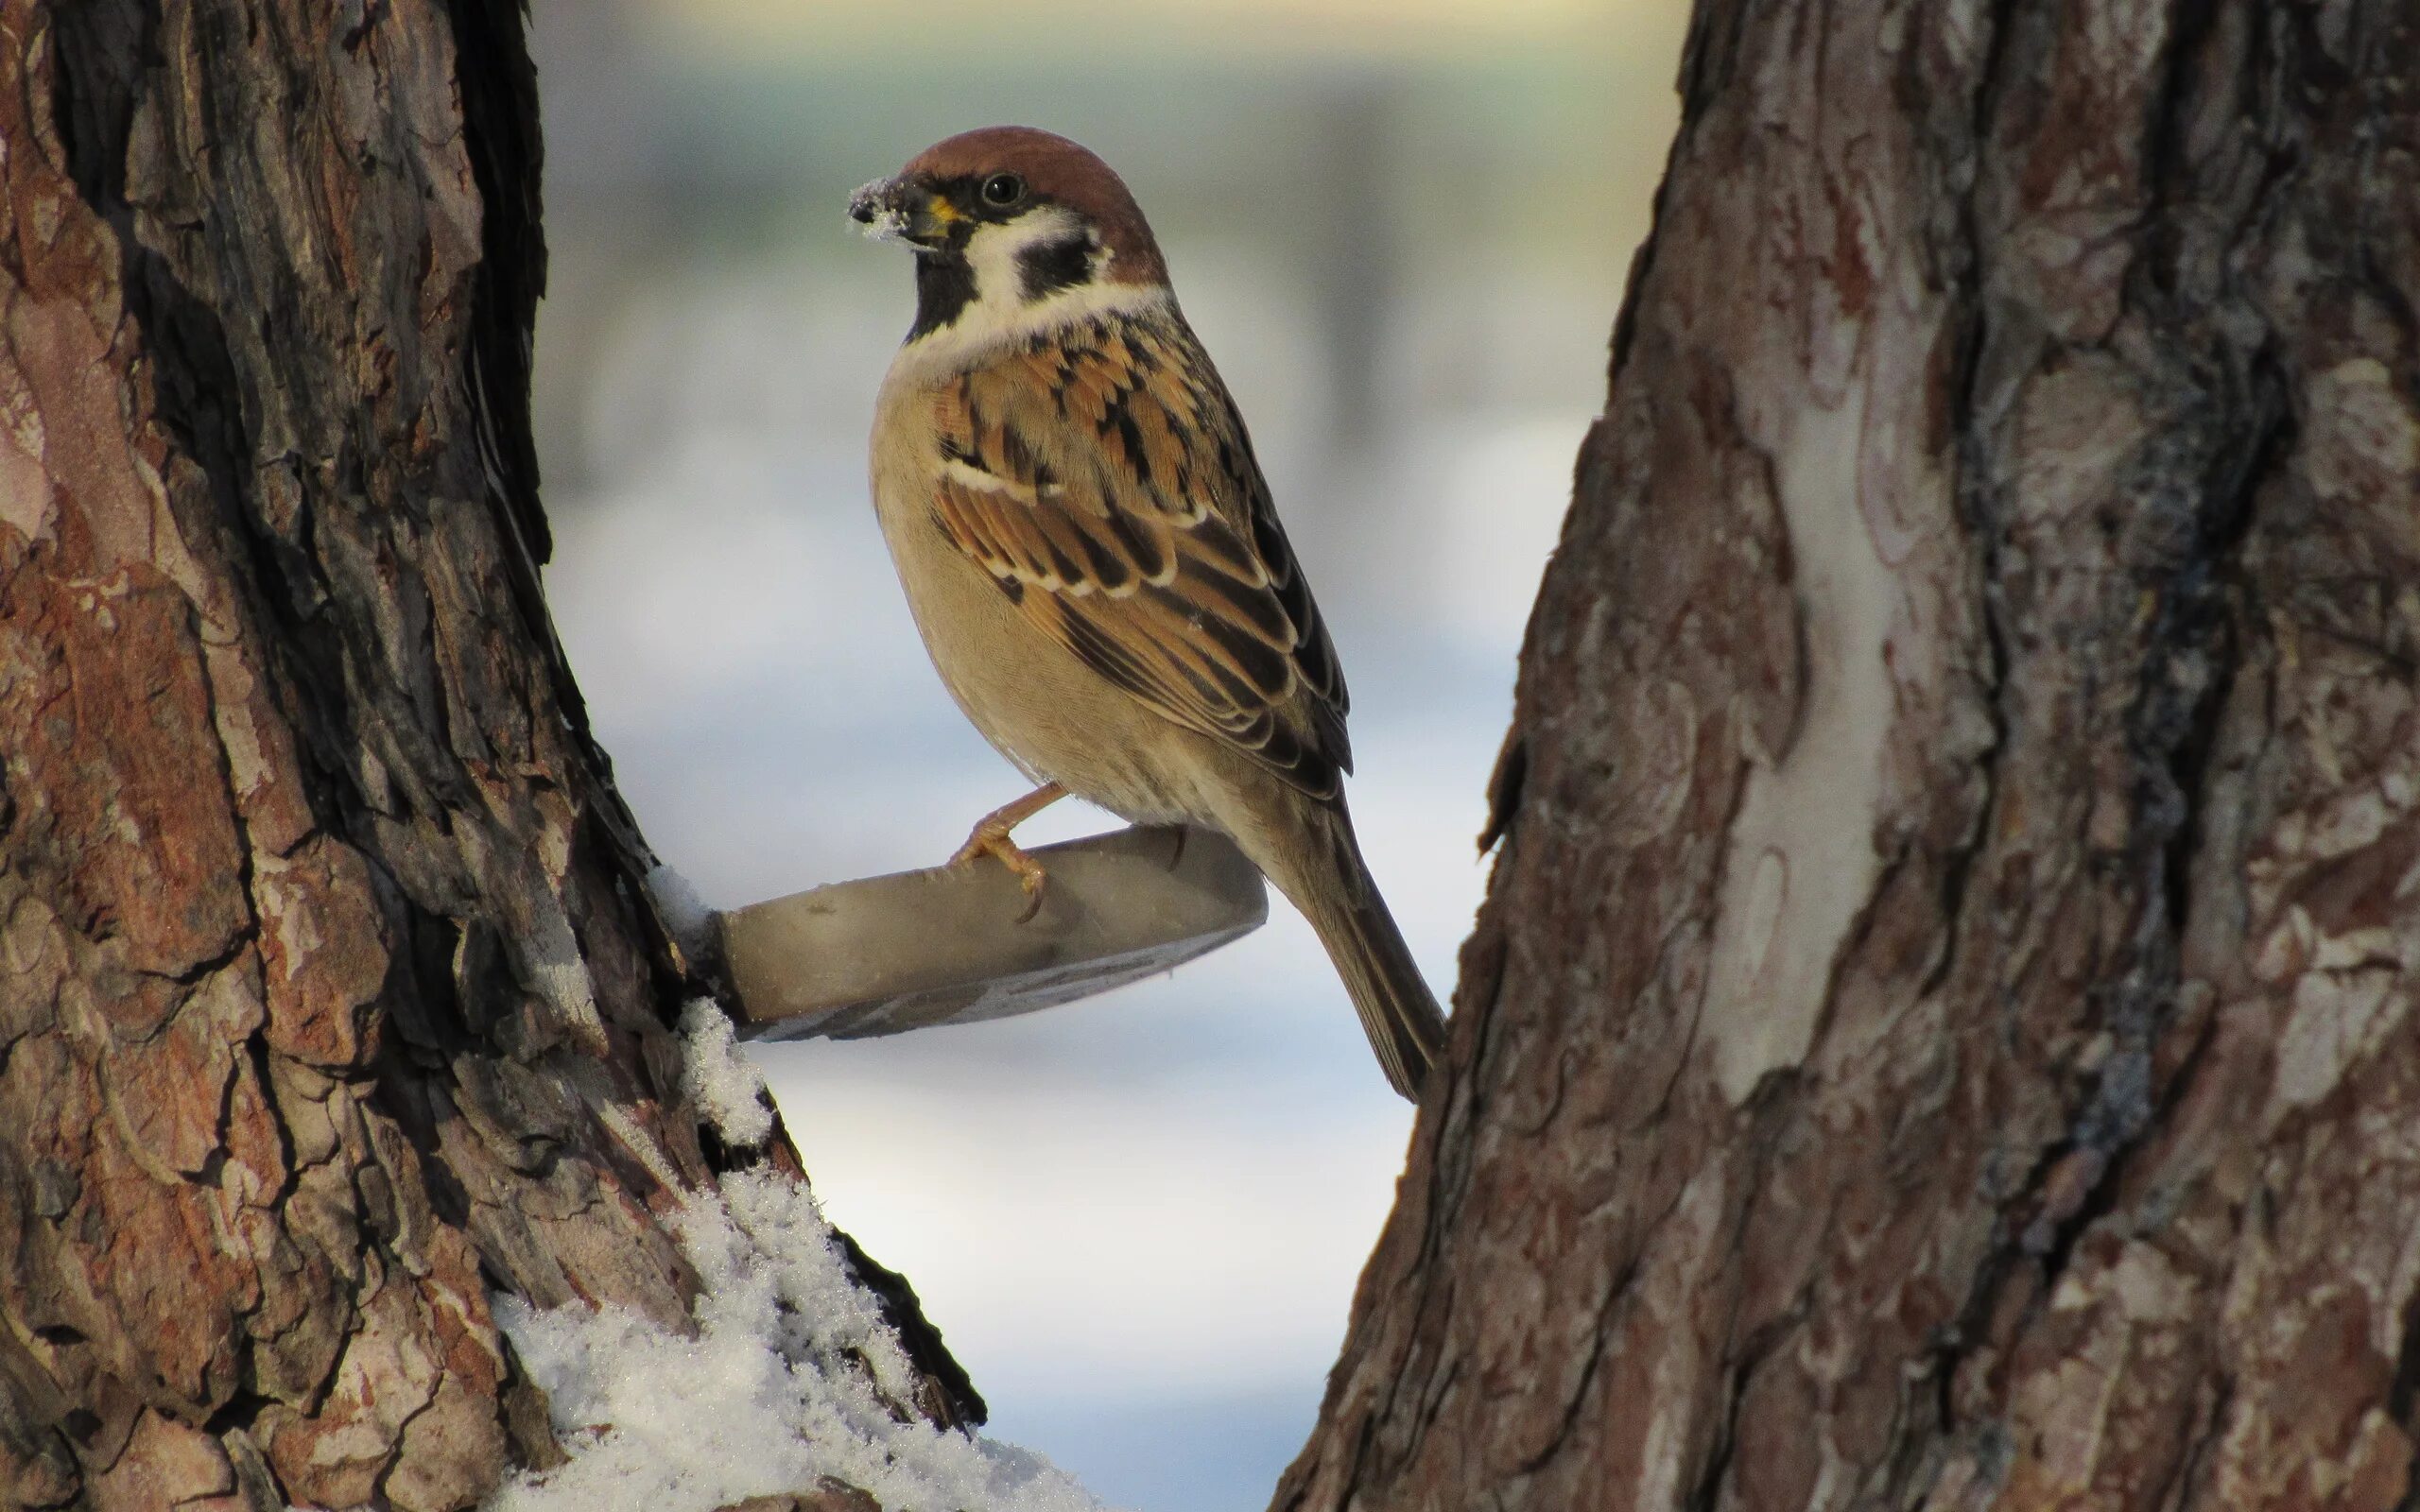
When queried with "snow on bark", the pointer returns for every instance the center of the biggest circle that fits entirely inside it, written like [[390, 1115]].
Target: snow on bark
[[784, 1379], [725, 1084]]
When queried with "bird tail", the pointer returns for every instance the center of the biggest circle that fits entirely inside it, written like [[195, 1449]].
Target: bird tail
[[1397, 1010]]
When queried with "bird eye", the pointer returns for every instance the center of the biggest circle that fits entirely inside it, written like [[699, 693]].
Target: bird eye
[[1002, 190]]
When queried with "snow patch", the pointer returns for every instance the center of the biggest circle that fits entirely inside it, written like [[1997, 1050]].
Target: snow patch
[[1802, 857], [682, 911], [785, 1384], [724, 1084]]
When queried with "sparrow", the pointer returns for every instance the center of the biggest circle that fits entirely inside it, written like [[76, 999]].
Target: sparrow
[[1091, 553]]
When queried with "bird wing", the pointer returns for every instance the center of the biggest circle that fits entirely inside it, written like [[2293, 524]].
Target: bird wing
[[1103, 478]]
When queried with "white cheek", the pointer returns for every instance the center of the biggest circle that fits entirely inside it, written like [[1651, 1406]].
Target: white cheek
[[993, 252], [1000, 315]]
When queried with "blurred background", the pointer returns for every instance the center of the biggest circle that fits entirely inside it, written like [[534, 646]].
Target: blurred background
[[1402, 229]]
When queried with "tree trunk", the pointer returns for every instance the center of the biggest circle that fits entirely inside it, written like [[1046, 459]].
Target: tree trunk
[[333, 996], [1941, 1032]]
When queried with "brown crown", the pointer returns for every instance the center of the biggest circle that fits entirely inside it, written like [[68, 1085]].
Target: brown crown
[[1062, 172]]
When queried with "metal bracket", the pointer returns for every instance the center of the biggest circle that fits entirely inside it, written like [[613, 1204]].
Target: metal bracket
[[916, 949]]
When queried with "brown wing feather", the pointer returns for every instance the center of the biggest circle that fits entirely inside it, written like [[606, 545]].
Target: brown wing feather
[[1105, 481]]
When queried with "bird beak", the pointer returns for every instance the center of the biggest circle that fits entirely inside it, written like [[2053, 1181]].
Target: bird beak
[[902, 210]]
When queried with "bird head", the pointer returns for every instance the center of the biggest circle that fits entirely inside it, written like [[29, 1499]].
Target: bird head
[[1010, 223]]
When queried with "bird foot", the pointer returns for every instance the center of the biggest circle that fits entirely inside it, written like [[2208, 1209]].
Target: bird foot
[[992, 840]]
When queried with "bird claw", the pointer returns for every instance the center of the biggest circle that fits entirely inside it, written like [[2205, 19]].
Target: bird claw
[[990, 838], [1030, 876]]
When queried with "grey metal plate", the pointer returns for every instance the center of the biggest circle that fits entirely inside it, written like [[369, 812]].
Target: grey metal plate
[[916, 949]]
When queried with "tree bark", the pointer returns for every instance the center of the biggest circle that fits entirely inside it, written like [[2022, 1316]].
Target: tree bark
[[333, 997], [1940, 1034]]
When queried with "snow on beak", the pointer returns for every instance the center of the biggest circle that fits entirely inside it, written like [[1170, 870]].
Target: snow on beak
[[902, 210]]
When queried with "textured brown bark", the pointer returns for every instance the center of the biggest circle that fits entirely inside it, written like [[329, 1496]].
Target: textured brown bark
[[1939, 1035], [332, 998]]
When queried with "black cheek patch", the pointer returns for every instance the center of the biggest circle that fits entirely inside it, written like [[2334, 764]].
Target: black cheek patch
[[1046, 267]]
